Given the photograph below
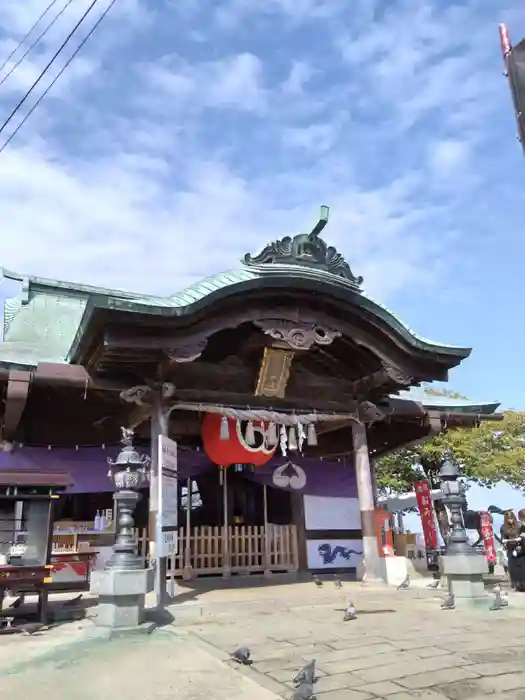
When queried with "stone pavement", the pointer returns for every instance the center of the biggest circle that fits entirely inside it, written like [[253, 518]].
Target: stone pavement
[[401, 647]]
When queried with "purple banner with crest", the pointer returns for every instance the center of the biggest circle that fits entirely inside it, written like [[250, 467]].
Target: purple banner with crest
[[88, 467]]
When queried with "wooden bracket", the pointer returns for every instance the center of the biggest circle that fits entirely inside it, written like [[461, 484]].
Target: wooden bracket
[[16, 399]]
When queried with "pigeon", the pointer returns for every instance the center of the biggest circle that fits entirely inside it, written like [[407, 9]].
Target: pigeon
[[30, 628], [434, 584], [449, 603], [338, 582], [499, 601], [404, 585], [306, 675], [242, 656], [304, 691], [17, 603], [73, 601], [350, 613], [318, 581], [6, 623]]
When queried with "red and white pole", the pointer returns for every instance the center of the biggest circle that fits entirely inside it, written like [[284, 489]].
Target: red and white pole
[[506, 46]]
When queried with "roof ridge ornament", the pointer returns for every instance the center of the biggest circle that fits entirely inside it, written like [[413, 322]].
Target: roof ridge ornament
[[307, 250]]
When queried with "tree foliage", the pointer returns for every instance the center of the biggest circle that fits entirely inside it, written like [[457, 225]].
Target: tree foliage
[[492, 452]]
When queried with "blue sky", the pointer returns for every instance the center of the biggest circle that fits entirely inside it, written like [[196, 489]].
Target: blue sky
[[190, 131]]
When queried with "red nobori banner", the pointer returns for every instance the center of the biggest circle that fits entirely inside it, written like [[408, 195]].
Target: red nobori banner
[[488, 536], [426, 511]]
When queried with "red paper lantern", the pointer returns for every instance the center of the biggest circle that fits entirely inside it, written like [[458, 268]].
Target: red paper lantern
[[234, 450]]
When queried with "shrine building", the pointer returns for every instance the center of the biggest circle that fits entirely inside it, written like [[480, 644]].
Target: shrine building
[[280, 380]]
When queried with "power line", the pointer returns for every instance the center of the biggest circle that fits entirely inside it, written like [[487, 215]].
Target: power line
[[35, 42], [22, 41], [57, 76], [49, 64]]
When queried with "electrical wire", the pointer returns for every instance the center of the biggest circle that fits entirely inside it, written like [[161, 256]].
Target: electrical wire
[[53, 59], [57, 76], [35, 42], [23, 40]]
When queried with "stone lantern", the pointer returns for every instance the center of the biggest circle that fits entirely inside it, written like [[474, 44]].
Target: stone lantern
[[123, 584], [462, 565], [129, 473]]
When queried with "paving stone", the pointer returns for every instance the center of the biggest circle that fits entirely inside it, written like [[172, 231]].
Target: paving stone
[[499, 684], [498, 668], [288, 664], [434, 678], [343, 694], [423, 694], [377, 651], [380, 689], [429, 652], [494, 656], [356, 664], [396, 671], [337, 682], [353, 642]]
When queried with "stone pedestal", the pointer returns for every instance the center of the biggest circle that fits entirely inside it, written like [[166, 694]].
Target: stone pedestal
[[121, 597], [465, 576]]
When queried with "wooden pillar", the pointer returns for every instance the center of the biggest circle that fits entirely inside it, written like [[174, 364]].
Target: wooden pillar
[[373, 562], [226, 557], [267, 553], [188, 569]]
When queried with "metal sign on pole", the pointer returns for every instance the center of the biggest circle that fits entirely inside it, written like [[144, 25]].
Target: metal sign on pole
[[168, 503]]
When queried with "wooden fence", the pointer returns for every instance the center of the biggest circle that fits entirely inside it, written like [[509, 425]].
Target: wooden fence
[[246, 549]]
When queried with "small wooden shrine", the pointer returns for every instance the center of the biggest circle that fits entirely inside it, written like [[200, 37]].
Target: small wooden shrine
[[26, 524], [282, 360]]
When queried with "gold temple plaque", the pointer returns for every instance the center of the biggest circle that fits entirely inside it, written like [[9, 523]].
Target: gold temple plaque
[[274, 373]]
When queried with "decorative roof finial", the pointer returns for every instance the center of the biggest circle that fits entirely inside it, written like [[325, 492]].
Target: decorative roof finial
[[307, 250]]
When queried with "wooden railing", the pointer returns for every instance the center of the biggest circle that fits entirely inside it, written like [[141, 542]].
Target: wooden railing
[[246, 549]]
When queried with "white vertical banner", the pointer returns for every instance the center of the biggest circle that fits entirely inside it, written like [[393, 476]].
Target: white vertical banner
[[168, 501]]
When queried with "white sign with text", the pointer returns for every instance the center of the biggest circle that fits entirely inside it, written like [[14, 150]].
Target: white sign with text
[[167, 522]]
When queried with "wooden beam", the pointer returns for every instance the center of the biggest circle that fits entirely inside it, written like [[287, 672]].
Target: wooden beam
[[139, 415], [242, 400]]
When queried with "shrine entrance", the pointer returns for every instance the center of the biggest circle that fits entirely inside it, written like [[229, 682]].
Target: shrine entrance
[[256, 536]]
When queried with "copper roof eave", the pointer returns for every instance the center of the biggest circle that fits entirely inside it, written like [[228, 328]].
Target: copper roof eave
[[462, 417]]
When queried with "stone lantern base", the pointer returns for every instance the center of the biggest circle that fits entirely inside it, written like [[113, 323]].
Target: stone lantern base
[[465, 576], [121, 598]]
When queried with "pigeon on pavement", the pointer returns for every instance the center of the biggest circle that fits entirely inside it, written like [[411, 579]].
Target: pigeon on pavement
[[306, 674], [31, 628], [73, 601], [305, 691], [337, 581], [6, 623], [499, 601], [404, 584], [449, 603], [242, 656], [318, 581], [350, 613]]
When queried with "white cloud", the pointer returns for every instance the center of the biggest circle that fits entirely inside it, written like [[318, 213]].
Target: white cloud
[[150, 169], [448, 156], [235, 81]]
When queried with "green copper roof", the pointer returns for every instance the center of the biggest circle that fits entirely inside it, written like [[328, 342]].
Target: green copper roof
[[446, 403], [45, 323]]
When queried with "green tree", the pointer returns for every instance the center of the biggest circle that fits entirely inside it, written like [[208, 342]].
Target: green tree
[[492, 452]]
